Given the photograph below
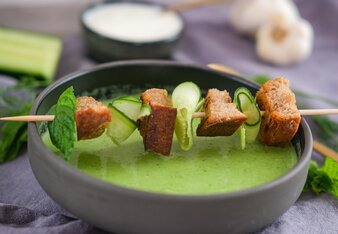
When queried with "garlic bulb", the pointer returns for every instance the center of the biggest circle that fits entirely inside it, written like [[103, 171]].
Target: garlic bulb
[[284, 42], [247, 16]]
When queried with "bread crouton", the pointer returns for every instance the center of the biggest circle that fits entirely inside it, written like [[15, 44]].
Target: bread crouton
[[281, 118], [222, 117], [157, 129], [92, 118]]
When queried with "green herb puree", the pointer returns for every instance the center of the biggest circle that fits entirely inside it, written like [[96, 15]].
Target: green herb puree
[[212, 165]]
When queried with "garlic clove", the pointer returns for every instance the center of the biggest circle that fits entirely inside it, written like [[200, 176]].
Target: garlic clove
[[283, 42], [247, 16]]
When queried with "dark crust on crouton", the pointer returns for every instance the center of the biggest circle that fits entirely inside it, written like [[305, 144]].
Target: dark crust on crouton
[[281, 119], [157, 129], [92, 118], [222, 117]]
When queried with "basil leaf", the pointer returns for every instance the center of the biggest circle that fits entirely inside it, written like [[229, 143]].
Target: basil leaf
[[62, 129]]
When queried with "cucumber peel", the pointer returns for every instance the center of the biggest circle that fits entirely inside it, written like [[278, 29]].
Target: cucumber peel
[[121, 127], [185, 98], [145, 110], [246, 103]]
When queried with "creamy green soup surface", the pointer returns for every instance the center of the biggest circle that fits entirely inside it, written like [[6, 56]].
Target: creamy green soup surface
[[213, 165]]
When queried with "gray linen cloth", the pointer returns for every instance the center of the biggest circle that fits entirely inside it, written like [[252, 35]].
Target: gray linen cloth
[[26, 208]]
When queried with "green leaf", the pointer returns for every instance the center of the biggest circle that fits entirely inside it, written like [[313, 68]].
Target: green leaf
[[62, 129], [14, 135], [67, 98], [261, 79], [321, 183], [330, 167], [13, 100], [313, 170]]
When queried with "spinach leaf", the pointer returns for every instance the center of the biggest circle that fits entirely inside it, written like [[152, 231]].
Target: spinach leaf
[[14, 100], [14, 135], [62, 129]]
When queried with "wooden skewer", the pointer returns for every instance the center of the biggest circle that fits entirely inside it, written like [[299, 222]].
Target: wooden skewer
[[325, 151], [191, 4], [29, 118], [39, 118], [302, 112], [317, 146]]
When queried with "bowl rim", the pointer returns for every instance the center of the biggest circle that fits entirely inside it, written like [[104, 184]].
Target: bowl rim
[[100, 185], [125, 42]]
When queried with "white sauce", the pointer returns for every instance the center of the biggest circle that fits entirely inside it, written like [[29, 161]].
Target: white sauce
[[133, 22]]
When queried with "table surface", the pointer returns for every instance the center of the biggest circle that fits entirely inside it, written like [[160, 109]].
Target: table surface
[[26, 208]]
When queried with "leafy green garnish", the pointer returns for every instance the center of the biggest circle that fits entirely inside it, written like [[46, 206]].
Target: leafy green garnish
[[323, 179], [62, 129], [14, 135], [14, 100]]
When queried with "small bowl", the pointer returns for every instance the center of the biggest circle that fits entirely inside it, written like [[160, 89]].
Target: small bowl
[[105, 49], [122, 210]]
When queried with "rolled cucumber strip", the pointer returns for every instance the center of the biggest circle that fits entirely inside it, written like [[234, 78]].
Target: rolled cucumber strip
[[185, 98], [246, 103], [145, 110], [27, 53], [121, 127], [129, 106]]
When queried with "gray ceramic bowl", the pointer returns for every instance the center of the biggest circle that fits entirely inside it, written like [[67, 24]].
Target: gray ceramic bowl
[[105, 49], [122, 210]]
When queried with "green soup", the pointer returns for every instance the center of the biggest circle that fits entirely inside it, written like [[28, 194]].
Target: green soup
[[213, 165]]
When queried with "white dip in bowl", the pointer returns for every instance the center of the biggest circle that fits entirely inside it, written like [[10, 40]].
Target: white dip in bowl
[[133, 22]]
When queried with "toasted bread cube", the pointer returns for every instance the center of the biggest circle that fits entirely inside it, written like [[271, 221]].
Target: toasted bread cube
[[92, 118], [222, 117], [157, 129], [281, 118]]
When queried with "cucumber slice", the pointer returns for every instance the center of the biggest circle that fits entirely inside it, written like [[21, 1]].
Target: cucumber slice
[[242, 136], [130, 98], [145, 110], [121, 127], [27, 53], [200, 105], [185, 98], [186, 95], [129, 107], [246, 103]]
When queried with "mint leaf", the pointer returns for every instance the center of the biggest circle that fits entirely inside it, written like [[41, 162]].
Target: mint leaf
[[323, 179], [313, 171], [62, 129], [321, 183], [330, 167]]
